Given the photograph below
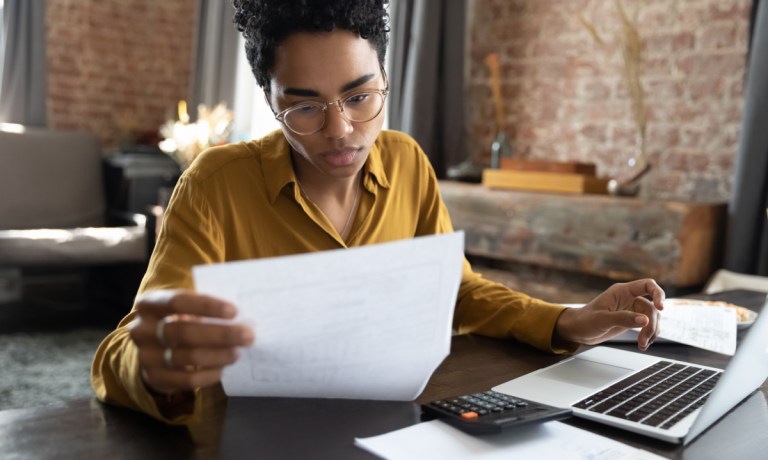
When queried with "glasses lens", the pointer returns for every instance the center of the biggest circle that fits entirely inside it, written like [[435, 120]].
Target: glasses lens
[[305, 118], [309, 118], [362, 107]]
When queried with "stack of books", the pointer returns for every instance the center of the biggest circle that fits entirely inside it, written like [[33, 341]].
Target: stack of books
[[545, 176]]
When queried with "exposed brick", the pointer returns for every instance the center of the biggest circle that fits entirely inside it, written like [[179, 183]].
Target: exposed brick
[[663, 88], [725, 10], [704, 87], [623, 134], [688, 161], [663, 135], [595, 133], [714, 64], [666, 43], [694, 68], [110, 57], [595, 89], [717, 36]]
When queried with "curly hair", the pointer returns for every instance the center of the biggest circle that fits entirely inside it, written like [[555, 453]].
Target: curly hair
[[266, 23]]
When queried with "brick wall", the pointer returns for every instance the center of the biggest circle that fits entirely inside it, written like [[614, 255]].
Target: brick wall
[[565, 98], [117, 66]]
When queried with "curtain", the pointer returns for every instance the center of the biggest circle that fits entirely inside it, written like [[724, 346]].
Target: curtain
[[752, 17], [426, 76], [215, 62], [747, 237], [24, 86]]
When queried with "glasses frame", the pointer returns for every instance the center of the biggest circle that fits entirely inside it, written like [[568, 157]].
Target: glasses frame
[[340, 104]]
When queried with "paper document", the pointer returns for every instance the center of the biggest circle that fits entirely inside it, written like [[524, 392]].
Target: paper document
[[711, 328], [547, 441], [371, 322]]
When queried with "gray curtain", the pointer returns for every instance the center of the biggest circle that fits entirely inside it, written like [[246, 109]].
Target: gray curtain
[[426, 75], [215, 63], [24, 85], [747, 238]]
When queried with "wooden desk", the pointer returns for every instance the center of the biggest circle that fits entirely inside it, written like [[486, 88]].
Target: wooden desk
[[310, 428]]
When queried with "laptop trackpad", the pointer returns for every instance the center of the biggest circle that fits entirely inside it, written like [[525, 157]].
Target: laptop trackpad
[[584, 373]]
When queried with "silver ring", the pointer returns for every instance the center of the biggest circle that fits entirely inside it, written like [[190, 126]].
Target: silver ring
[[168, 357], [160, 331]]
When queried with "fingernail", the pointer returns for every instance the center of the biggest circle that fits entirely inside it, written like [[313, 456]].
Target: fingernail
[[639, 319], [228, 310], [246, 336]]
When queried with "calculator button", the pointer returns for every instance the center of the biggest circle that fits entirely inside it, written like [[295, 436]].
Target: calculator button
[[469, 415]]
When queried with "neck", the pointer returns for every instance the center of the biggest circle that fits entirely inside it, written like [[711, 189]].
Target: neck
[[319, 187], [339, 205]]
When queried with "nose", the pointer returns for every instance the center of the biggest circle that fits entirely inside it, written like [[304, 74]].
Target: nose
[[336, 124]]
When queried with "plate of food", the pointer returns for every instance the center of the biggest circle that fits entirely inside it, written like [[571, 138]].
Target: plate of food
[[744, 316]]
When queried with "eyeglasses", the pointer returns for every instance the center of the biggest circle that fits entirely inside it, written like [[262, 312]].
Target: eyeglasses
[[309, 117]]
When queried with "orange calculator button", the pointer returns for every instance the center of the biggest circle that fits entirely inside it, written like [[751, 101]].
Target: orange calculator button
[[469, 415]]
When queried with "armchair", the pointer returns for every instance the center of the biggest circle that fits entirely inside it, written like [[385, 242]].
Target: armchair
[[56, 234]]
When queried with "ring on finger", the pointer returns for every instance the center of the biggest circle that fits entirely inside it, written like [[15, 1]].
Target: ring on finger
[[168, 357], [160, 331]]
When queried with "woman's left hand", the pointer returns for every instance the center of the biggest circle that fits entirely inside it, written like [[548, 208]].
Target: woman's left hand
[[620, 307]]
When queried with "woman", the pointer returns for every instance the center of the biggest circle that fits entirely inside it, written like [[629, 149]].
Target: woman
[[330, 178]]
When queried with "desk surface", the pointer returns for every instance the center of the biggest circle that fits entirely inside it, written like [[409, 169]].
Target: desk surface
[[311, 428]]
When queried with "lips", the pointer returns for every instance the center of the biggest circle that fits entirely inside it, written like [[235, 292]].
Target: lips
[[341, 157]]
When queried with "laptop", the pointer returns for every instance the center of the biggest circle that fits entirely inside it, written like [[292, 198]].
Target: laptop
[[671, 400]]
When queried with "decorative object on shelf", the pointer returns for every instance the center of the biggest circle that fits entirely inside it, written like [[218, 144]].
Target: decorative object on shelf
[[500, 148], [184, 141], [520, 164], [545, 176], [544, 181], [630, 43], [468, 170]]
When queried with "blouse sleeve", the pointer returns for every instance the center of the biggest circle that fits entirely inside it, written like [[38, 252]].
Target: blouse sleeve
[[189, 236], [484, 307]]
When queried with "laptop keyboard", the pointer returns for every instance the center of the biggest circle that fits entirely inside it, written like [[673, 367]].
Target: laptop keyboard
[[659, 395]]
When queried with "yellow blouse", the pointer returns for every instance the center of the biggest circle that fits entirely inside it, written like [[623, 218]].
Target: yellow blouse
[[242, 201]]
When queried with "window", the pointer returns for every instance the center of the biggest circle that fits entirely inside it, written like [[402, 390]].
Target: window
[[253, 117], [2, 42]]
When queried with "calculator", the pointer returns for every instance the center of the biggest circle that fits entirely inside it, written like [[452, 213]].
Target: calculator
[[491, 412]]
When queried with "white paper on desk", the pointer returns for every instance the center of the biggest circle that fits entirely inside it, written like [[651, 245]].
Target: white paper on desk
[[712, 328], [547, 441], [370, 322]]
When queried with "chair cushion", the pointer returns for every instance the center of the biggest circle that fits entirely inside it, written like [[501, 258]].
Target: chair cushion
[[50, 179], [77, 246]]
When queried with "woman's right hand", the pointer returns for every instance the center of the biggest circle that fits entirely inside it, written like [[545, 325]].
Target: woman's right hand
[[181, 345]]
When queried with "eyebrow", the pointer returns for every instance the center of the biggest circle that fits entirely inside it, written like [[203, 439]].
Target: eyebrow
[[344, 88]]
